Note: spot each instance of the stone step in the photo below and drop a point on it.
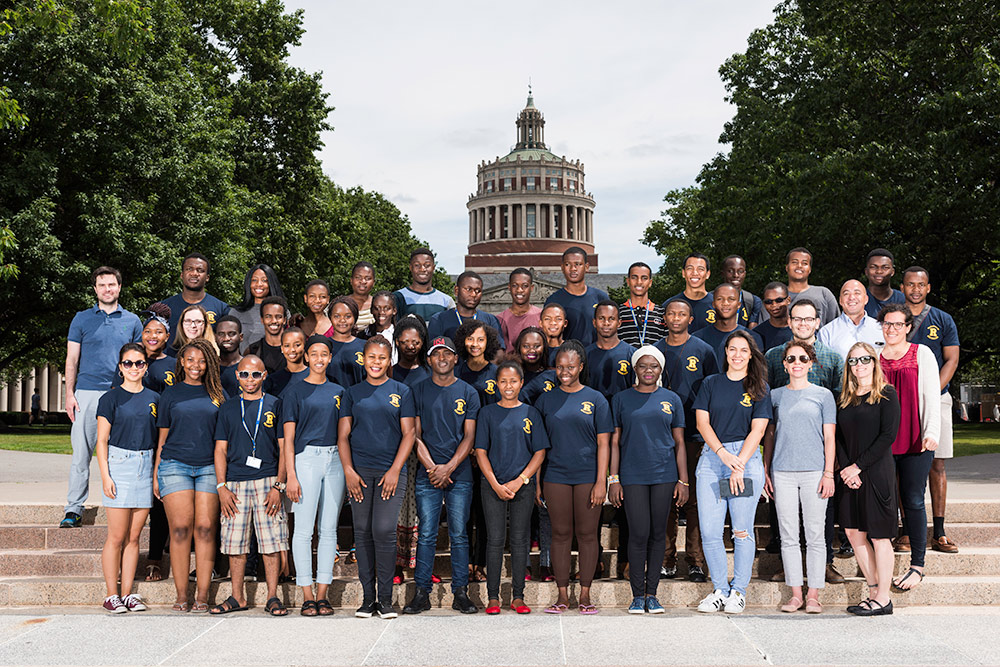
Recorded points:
(346, 594)
(52, 537)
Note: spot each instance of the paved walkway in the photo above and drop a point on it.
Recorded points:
(960, 636)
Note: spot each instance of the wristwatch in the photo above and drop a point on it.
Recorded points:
(280, 486)
(525, 479)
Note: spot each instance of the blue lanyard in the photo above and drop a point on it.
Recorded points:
(475, 316)
(256, 428)
(645, 320)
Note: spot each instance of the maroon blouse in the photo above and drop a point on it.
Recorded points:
(902, 374)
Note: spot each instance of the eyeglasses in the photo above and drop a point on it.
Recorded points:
(803, 320)
(128, 363)
(186, 321)
(768, 302)
(893, 325)
(803, 359)
(244, 375)
(864, 361)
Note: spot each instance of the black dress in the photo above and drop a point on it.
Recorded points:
(864, 436)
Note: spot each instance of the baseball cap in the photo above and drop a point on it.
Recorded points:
(441, 341)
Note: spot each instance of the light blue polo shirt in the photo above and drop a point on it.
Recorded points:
(101, 336)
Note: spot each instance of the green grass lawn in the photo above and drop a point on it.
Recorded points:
(969, 439)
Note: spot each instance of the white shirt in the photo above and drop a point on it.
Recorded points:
(842, 333)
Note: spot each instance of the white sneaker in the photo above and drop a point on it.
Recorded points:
(134, 603)
(713, 602)
(736, 602)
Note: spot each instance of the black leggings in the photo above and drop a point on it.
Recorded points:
(912, 470)
(648, 508)
(375, 535)
(495, 513)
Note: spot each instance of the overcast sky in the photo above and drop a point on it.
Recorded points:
(425, 90)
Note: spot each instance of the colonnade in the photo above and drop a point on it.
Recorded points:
(513, 221)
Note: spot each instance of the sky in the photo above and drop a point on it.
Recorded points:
(425, 91)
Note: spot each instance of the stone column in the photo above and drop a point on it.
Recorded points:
(56, 398)
(42, 378)
(552, 222)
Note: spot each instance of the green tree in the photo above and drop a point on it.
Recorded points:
(859, 125)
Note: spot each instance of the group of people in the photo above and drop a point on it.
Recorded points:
(244, 429)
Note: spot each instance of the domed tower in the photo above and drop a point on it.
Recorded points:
(529, 206)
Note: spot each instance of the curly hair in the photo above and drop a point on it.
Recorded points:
(466, 329)
(211, 379)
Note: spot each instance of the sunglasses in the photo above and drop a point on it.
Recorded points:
(803, 359)
(864, 361)
(244, 375)
(768, 302)
(128, 363)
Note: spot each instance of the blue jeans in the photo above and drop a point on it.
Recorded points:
(321, 477)
(712, 517)
(458, 499)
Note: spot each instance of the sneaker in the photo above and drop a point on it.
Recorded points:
(845, 551)
(638, 605)
(712, 602)
(420, 602)
(134, 603)
(668, 572)
(735, 603)
(696, 574)
(653, 605)
(114, 605)
(385, 610)
(366, 609)
(71, 520)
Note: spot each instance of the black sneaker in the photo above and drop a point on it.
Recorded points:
(696, 574)
(385, 610)
(366, 609)
(71, 520)
(462, 603)
(421, 601)
(845, 551)
(668, 572)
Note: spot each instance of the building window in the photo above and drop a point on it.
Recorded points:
(489, 186)
(506, 184)
(553, 184)
(529, 221)
(572, 186)
(531, 183)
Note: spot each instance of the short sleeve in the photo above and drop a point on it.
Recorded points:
(224, 310)
(950, 333)
(137, 330)
(616, 410)
(678, 409)
(106, 407)
(704, 397)
(472, 404)
(763, 409)
(483, 434)
(407, 406)
(290, 409)
(710, 365)
(338, 402)
(539, 436)
(75, 334)
(602, 419)
(163, 411)
(829, 408)
(222, 425)
(347, 404)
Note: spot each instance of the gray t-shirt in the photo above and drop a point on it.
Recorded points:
(825, 301)
(799, 418)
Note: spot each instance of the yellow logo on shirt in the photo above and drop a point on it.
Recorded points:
(623, 367)
(338, 401)
(211, 317)
(459, 406)
(269, 419)
(587, 408)
(745, 315)
(394, 400)
(692, 364)
(359, 358)
(527, 426)
(548, 385)
(666, 407)
(710, 316)
(169, 379)
(491, 387)
(746, 402)
(933, 332)
(216, 402)
(152, 409)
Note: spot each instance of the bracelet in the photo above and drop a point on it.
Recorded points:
(827, 474)
(681, 481)
(613, 479)
(219, 486)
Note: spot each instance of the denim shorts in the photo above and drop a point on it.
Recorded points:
(132, 472)
(176, 476)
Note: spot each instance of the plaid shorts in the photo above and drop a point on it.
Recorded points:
(272, 531)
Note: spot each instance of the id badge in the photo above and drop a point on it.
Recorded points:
(253, 462)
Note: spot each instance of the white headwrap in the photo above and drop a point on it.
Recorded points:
(649, 351)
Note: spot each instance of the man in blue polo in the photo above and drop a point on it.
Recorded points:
(95, 337)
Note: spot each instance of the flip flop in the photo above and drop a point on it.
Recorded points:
(200, 608)
(588, 609)
(275, 608)
(153, 573)
(181, 607)
(902, 580)
(228, 606)
(555, 609)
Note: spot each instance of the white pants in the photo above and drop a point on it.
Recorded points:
(791, 491)
(946, 443)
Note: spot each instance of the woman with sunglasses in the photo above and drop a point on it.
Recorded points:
(194, 324)
(310, 410)
(126, 434)
(184, 477)
(912, 370)
(799, 449)
(867, 422)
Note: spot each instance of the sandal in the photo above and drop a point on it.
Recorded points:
(275, 608)
(792, 605)
(200, 608)
(555, 608)
(813, 606)
(588, 609)
(902, 580)
(228, 606)
(879, 611)
(478, 574)
(862, 606)
(153, 573)
(182, 607)
(323, 607)
(309, 608)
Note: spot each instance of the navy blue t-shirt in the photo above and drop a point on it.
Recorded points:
(316, 409)
(281, 379)
(937, 331)
(510, 436)
(443, 412)
(699, 310)
(610, 371)
(132, 418)
(241, 444)
(731, 409)
(410, 376)
(445, 323)
(189, 414)
(687, 366)
(579, 312)
(874, 306)
(646, 446)
(572, 422)
(375, 430)
(542, 383)
(230, 383)
(772, 335)
(717, 339)
(484, 381)
(215, 308)
(347, 367)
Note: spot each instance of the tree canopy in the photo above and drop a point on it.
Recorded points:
(859, 125)
(192, 133)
